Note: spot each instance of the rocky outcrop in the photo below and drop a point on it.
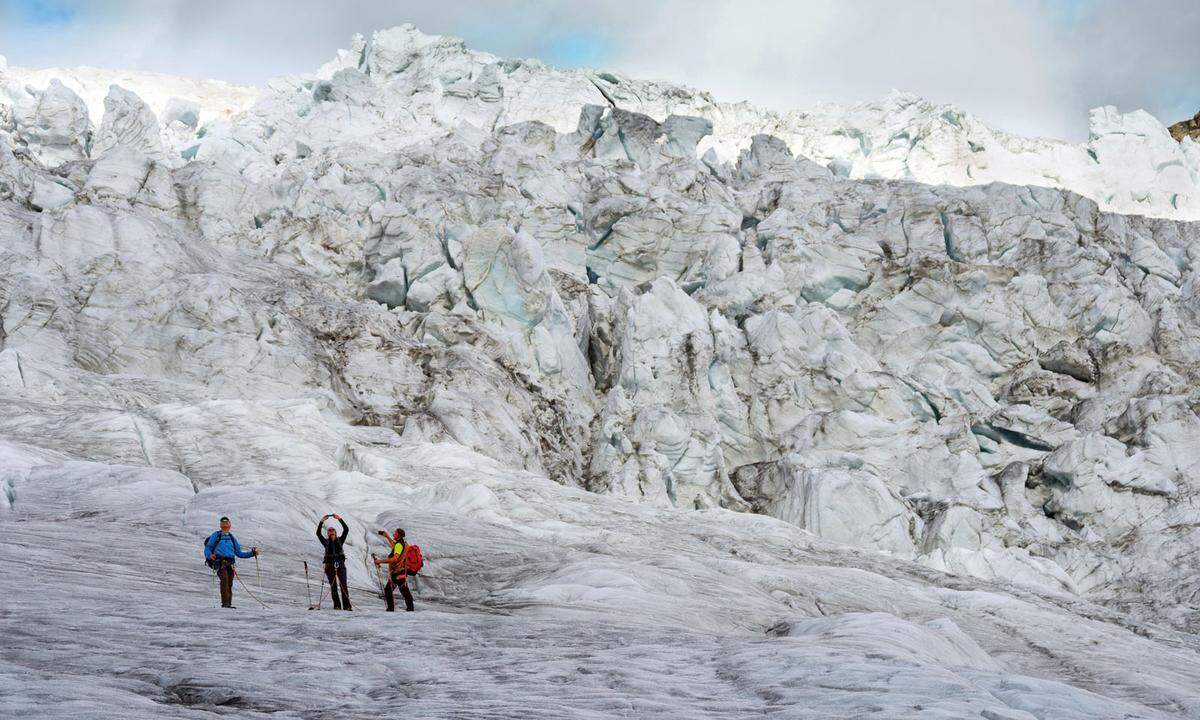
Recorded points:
(1186, 129)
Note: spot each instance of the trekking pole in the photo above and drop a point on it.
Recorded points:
(258, 572)
(307, 586)
(379, 581)
(320, 594)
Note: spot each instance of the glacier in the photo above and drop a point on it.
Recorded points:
(697, 409)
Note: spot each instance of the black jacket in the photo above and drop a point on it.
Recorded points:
(333, 548)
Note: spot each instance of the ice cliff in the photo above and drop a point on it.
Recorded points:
(424, 279)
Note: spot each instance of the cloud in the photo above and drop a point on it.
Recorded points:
(1031, 66)
(1140, 55)
(1027, 66)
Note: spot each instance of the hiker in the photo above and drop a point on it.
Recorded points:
(335, 560)
(221, 551)
(397, 572)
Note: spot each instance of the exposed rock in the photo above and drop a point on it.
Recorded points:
(1186, 129)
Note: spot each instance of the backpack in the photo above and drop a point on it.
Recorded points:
(207, 560)
(412, 560)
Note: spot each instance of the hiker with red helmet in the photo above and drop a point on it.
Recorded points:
(405, 561)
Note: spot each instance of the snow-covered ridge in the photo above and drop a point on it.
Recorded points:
(1130, 164)
(214, 99)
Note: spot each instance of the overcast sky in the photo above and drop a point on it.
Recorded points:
(1030, 66)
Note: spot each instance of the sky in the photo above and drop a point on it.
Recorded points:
(1033, 67)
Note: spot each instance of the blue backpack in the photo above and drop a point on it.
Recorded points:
(207, 560)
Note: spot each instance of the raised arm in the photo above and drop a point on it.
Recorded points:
(345, 528)
(320, 527)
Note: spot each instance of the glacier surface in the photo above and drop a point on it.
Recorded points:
(697, 410)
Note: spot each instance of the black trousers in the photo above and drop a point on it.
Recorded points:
(225, 574)
(399, 580)
(335, 573)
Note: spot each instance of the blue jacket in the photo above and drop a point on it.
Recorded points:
(225, 545)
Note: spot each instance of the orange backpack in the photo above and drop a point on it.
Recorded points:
(412, 560)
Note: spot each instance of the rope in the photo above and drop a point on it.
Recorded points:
(238, 575)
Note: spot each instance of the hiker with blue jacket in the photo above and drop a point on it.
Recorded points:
(221, 551)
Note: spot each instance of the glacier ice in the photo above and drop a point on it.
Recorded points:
(697, 410)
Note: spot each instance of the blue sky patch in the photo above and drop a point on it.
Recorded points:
(576, 49)
(41, 13)
(1068, 13)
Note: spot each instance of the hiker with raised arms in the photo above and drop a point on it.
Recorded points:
(335, 560)
(221, 551)
(403, 562)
